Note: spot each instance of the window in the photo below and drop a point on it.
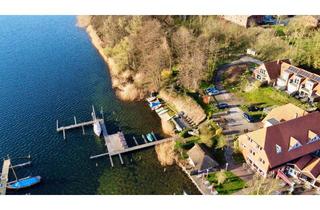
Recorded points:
(295, 146)
(297, 80)
(263, 161)
(278, 149)
(316, 138)
(258, 77)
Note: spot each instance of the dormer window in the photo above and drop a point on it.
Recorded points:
(294, 143)
(278, 149)
(313, 137)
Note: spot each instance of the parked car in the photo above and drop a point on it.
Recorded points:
(254, 108)
(212, 91)
(222, 105)
(248, 117)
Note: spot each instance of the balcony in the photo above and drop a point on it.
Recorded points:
(281, 83)
(306, 91)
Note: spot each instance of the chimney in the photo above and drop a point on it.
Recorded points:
(278, 61)
(296, 115)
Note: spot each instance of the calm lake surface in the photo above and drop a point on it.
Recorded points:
(50, 71)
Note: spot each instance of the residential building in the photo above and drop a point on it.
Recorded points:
(244, 20)
(283, 140)
(199, 160)
(283, 113)
(268, 72)
(306, 169)
(289, 78)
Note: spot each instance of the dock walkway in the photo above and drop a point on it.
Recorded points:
(4, 176)
(77, 125)
(116, 143)
(141, 146)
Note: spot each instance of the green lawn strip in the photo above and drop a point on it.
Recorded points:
(231, 184)
(269, 96)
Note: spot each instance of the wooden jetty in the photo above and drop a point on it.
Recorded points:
(4, 176)
(134, 148)
(63, 129)
(116, 143)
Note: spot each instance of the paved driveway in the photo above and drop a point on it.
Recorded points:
(235, 123)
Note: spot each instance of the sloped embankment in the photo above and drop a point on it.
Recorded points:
(186, 104)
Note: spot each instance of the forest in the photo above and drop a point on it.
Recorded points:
(181, 53)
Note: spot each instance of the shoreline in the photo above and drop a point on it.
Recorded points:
(96, 41)
(124, 91)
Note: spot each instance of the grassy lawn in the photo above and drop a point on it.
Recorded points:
(236, 80)
(231, 185)
(269, 96)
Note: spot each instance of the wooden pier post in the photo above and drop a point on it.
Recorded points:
(120, 159)
(83, 132)
(64, 134)
(144, 138)
(135, 140)
(75, 120)
(111, 160)
(154, 136)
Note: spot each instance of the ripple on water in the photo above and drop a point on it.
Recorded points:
(50, 71)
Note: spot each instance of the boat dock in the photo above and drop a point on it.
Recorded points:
(116, 143)
(78, 125)
(4, 176)
(138, 147)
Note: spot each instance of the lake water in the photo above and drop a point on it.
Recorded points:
(50, 71)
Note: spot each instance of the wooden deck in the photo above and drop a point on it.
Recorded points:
(4, 176)
(78, 125)
(134, 148)
(141, 146)
(115, 143)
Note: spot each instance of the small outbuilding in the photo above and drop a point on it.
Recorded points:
(199, 160)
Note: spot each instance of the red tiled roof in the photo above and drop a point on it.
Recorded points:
(302, 162)
(281, 133)
(313, 167)
(273, 68)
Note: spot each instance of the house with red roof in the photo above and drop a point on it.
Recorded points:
(294, 141)
(289, 78)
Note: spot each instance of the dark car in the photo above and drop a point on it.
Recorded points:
(254, 108)
(212, 91)
(222, 105)
(248, 117)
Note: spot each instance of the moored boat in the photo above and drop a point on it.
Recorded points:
(151, 98)
(149, 137)
(97, 128)
(24, 183)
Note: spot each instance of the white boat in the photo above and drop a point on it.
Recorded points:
(162, 112)
(151, 98)
(97, 128)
